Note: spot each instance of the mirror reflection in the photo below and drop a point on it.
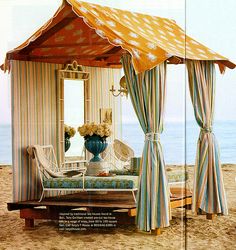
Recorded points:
(74, 106)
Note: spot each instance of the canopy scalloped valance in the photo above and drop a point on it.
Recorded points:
(95, 35)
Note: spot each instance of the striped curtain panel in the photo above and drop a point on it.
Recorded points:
(147, 93)
(34, 121)
(34, 115)
(208, 192)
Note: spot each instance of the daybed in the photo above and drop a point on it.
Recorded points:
(54, 179)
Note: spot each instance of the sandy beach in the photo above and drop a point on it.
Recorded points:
(200, 233)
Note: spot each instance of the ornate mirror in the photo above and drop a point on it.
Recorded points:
(73, 106)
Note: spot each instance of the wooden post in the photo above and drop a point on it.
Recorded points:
(157, 231)
(210, 216)
(132, 212)
(29, 223)
(188, 206)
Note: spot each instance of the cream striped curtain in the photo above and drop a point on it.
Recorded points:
(34, 121)
(208, 192)
(34, 115)
(147, 93)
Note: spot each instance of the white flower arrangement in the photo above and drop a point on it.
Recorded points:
(103, 130)
(69, 131)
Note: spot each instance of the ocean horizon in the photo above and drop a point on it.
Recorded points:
(179, 146)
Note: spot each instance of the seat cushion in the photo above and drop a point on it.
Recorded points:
(172, 176)
(93, 182)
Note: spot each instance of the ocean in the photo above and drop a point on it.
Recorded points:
(173, 141)
(5, 144)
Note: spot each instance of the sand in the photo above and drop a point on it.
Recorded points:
(200, 233)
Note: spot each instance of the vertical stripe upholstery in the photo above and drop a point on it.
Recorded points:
(34, 115)
(101, 80)
(33, 121)
(147, 93)
(208, 191)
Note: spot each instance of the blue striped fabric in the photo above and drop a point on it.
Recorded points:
(208, 192)
(147, 93)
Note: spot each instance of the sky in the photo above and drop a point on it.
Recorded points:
(211, 22)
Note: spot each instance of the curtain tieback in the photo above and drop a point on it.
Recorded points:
(206, 130)
(152, 136)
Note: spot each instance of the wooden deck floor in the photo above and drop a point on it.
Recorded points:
(50, 208)
(113, 200)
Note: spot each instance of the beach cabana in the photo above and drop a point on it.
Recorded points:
(103, 40)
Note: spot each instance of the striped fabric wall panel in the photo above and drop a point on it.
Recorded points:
(34, 115)
(33, 121)
(101, 80)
